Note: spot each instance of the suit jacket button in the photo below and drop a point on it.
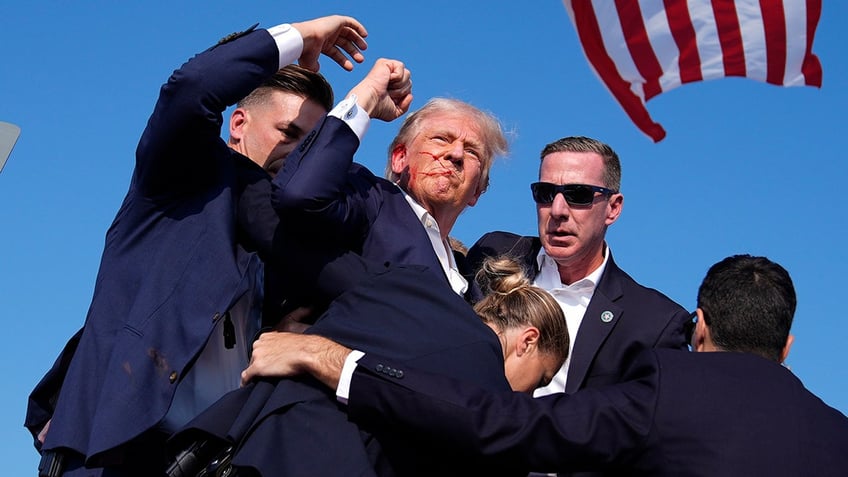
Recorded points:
(399, 373)
(173, 377)
(379, 368)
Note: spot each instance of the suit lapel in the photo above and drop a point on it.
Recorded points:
(600, 318)
(405, 220)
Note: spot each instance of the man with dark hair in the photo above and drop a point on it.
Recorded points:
(177, 297)
(293, 100)
(757, 321)
(729, 409)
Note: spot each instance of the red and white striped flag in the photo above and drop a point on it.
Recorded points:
(641, 48)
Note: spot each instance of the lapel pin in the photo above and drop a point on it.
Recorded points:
(606, 316)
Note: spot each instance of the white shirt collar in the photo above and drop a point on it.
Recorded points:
(441, 247)
(419, 210)
(548, 277)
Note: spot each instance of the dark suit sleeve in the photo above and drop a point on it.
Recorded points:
(315, 175)
(183, 133)
(180, 188)
(489, 245)
(42, 399)
(672, 336)
(523, 249)
(589, 430)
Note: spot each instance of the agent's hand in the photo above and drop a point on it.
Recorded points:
(332, 36)
(280, 354)
(386, 92)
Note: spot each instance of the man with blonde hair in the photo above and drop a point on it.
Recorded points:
(438, 165)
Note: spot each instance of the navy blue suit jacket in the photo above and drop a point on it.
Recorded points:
(346, 207)
(675, 414)
(295, 426)
(641, 317)
(177, 256)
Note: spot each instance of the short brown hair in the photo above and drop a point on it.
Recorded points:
(296, 80)
(612, 165)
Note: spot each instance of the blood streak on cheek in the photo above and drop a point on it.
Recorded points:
(446, 171)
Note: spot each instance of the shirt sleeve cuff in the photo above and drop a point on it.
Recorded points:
(289, 43)
(343, 390)
(354, 116)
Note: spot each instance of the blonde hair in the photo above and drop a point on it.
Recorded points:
(493, 138)
(512, 301)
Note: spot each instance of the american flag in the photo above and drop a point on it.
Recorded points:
(641, 48)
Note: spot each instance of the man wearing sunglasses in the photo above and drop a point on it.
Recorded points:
(610, 316)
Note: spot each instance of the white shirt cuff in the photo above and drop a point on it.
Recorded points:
(343, 390)
(289, 43)
(353, 115)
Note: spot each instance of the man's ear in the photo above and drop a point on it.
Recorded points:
(237, 121)
(528, 339)
(615, 204)
(785, 352)
(399, 159)
(701, 337)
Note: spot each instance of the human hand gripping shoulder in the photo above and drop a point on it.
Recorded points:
(284, 354)
(332, 36)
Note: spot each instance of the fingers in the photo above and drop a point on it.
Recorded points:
(349, 41)
(247, 375)
(385, 93)
(275, 354)
(399, 88)
(404, 104)
(353, 42)
(279, 354)
(261, 358)
(400, 84)
(353, 29)
(341, 38)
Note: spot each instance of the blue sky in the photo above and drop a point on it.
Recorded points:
(746, 167)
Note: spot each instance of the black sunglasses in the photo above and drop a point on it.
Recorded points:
(575, 194)
(689, 327)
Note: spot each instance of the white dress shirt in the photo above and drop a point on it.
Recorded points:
(441, 247)
(573, 299)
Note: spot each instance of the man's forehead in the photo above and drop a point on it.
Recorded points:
(568, 164)
(455, 125)
(291, 109)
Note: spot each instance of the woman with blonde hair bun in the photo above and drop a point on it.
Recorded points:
(528, 321)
